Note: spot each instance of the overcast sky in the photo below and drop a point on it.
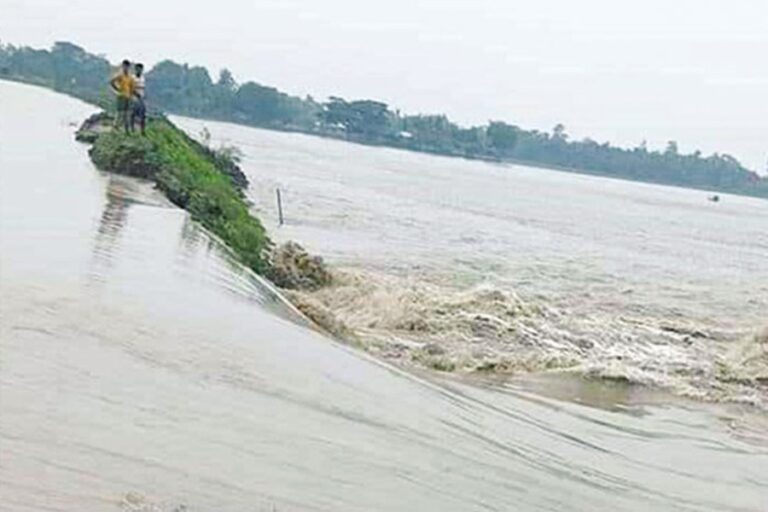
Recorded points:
(691, 70)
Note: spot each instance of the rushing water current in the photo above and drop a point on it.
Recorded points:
(141, 369)
(510, 268)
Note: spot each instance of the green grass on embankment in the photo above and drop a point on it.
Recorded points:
(191, 175)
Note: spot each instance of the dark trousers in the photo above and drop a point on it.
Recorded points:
(139, 113)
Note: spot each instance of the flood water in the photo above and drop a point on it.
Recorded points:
(525, 268)
(142, 369)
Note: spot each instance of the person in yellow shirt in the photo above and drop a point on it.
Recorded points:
(124, 86)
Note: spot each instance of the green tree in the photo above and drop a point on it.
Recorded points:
(226, 81)
(672, 148)
(502, 136)
(363, 117)
(166, 86)
(258, 104)
(182, 89)
(558, 133)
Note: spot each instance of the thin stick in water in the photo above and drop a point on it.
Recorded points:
(279, 207)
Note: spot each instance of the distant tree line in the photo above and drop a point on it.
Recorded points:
(190, 90)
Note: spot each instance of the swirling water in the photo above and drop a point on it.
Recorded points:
(142, 369)
(525, 268)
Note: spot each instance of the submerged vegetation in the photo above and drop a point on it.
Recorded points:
(194, 177)
(190, 90)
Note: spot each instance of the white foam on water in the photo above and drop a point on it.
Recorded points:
(484, 329)
(141, 369)
(464, 265)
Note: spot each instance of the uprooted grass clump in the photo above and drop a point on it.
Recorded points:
(293, 268)
(192, 176)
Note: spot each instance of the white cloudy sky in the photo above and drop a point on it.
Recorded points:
(691, 70)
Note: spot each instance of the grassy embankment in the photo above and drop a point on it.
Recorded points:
(191, 175)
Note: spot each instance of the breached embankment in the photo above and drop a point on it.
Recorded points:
(209, 185)
(482, 331)
(488, 331)
(206, 184)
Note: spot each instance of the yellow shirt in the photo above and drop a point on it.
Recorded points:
(125, 85)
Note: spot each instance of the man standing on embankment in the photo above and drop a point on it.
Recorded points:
(139, 111)
(124, 86)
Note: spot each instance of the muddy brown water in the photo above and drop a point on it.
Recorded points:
(515, 267)
(142, 369)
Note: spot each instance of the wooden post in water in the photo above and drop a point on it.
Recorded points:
(279, 206)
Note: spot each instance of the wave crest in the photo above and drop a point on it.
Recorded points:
(487, 329)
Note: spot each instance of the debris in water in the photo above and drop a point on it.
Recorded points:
(293, 268)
